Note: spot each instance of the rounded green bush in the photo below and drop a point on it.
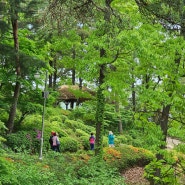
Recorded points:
(68, 144)
(23, 141)
(85, 142)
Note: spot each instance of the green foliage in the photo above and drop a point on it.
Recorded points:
(6, 171)
(176, 130)
(23, 141)
(84, 140)
(68, 144)
(131, 156)
(98, 172)
(86, 113)
(17, 172)
(123, 139)
(166, 175)
(78, 125)
(163, 171)
(146, 135)
(180, 148)
(80, 132)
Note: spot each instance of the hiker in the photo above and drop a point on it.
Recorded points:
(56, 142)
(111, 139)
(92, 141)
(51, 140)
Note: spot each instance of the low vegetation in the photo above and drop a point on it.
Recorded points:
(76, 164)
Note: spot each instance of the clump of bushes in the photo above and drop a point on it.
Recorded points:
(6, 168)
(126, 156)
(170, 169)
(68, 144)
(180, 148)
(85, 142)
(22, 141)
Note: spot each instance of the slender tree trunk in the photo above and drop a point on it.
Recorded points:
(80, 88)
(12, 113)
(100, 96)
(55, 75)
(50, 76)
(100, 112)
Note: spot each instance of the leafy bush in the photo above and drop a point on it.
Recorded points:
(123, 139)
(164, 171)
(180, 148)
(23, 141)
(86, 113)
(176, 130)
(166, 175)
(131, 156)
(68, 144)
(6, 169)
(80, 132)
(85, 142)
(78, 125)
(98, 172)
(23, 169)
(32, 122)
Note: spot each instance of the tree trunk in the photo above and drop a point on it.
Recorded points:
(55, 75)
(50, 76)
(12, 113)
(100, 113)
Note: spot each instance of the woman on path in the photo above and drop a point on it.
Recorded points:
(56, 143)
(92, 141)
(111, 139)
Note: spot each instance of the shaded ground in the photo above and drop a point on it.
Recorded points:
(134, 176)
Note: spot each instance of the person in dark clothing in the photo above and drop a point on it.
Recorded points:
(51, 140)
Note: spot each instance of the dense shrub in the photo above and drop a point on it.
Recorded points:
(6, 169)
(85, 142)
(98, 172)
(166, 171)
(83, 170)
(32, 122)
(86, 113)
(123, 139)
(23, 141)
(128, 156)
(23, 169)
(170, 169)
(180, 148)
(68, 144)
(79, 125)
(80, 132)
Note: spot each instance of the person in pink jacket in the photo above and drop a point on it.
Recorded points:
(56, 142)
(92, 141)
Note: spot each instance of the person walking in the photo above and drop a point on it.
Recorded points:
(111, 139)
(51, 140)
(92, 141)
(56, 142)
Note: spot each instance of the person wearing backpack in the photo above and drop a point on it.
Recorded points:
(92, 141)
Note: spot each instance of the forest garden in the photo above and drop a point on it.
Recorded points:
(129, 57)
